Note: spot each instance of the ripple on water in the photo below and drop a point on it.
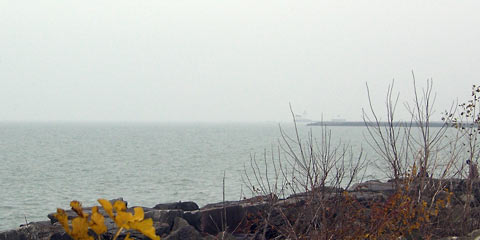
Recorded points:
(44, 166)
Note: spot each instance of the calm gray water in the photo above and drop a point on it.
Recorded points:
(46, 165)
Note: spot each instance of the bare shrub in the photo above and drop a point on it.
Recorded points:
(316, 171)
(466, 120)
(418, 157)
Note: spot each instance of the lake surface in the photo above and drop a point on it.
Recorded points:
(46, 165)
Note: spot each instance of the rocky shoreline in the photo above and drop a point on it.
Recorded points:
(232, 219)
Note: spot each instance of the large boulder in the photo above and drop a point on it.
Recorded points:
(325, 191)
(161, 229)
(291, 201)
(13, 235)
(193, 218)
(164, 216)
(179, 223)
(37, 230)
(213, 219)
(362, 196)
(61, 236)
(374, 186)
(182, 230)
(185, 206)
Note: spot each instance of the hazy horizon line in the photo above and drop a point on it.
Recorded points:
(199, 121)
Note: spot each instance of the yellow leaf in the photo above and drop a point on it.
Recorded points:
(139, 214)
(77, 207)
(107, 206)
(146, 228)
(62, 218)
(123, 218)
(119, 206)
(97, 222)
(80, 229)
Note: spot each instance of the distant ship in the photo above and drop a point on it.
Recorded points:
(302, 118)
(343, 122)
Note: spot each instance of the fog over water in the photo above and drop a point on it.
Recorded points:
(220, 61)
(153, 100)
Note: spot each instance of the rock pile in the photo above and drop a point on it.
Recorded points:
(178, 220)
(185, 220)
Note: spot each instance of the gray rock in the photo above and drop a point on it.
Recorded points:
(179, 223)
(313, 196)
(185, 206)
(61, 236)
(374, 186)
(328, 191)
(296, 201)
(243, 236)
(133, 234)
(185, 232)
(164, 216)
(209, 237)
(254, 208)
(220, 204)
(111, 226)
(131, 209)
(161, 229)
(226, 236)
(211, 219)
(32, 231)
(193, 218)
(13, 235)
(362, 196)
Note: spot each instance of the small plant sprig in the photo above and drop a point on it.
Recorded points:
(96, 222)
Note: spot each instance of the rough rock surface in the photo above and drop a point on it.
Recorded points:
(185, 220)
(213, 220)
(374, 186)
(164, 216)
(185, 206)
(37, 231)
(182, 230)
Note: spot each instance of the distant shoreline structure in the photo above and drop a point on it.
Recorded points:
(363, 124)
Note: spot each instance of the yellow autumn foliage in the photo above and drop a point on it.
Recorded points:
(96, 222)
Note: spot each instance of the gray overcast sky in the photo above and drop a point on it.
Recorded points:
(192, 60)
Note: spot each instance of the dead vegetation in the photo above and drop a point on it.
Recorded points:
(431, 194)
